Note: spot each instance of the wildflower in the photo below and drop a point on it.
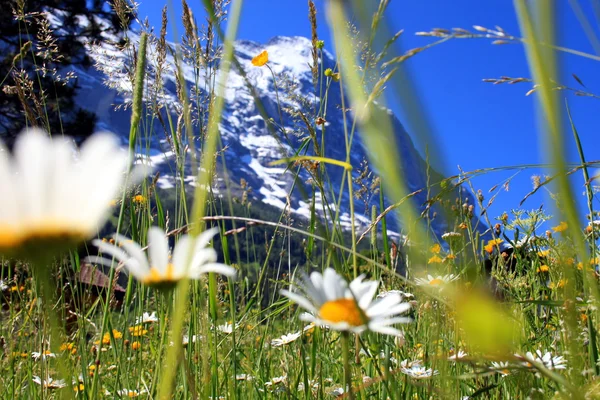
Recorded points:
(501, 367)
(415, 370)
(560, 227)
(285, 339)
(43, 355)
(462, 226)
(403, 295)
(106, 338)
(261, 59)
(457, 356)
(136, 345)
(227, 328)
(277, 380)
(146, 318)
(130, 393)
(436, 248)
(449, 236)
(491, 245)
(53, 196)
(139, 199)
(334, 303)
(543, 253)
(550, 362)
(438, 282)
(158, 269)
(49, 383)
(434, 260)
(186, 339)
(137, 330)
(543, 268)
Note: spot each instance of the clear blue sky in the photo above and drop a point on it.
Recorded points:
(476, 125)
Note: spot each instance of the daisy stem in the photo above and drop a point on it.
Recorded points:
(44, 284)
(347, 370)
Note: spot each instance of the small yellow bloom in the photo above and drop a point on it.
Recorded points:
(436, 248)
(491, 244)
(136, 345)
(462, 226)
(434, 260)
(450, 256)
(543, 268)
(560, 227)
(139, 199)
(138, 330)
(583, 317)
(79, 388)
(261, 59)
(543, 253)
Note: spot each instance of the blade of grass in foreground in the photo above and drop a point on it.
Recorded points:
(375, 126)
(200, 197)
(542, 63)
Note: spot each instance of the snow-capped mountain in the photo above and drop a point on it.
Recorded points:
(250, 145)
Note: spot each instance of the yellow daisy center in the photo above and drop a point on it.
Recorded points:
(436, 282)
(155, 277)
(341, 310)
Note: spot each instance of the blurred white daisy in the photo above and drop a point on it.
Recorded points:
(244, 377)
(285, 339)
(503, 368)
(36, 355)
(227, 328)
(130, 393)
(49, 383)
(549, 361)
(146, 318)
(334, 303)
(54, 196)
(158, 268)
(457, 356)
(416, 370)
(436, 282)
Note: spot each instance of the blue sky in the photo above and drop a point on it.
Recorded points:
(475, 124)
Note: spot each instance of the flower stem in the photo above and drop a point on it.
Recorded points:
(347, 370)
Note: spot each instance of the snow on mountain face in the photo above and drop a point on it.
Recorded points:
(250, 145)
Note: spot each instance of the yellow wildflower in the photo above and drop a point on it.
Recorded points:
(543, 268)
(261, 59)
(560, 227)
(436, 248)
(138, 330)
(434, 260)
(491, 244)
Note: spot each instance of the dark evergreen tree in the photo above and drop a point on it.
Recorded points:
(39, 40)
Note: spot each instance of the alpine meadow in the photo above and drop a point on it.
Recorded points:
(189, 213)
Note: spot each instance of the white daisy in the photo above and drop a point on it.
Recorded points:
(130, 393)
(36, 355)
(436, 282)
(159, 269)
(53, 194)
(415, 370)
(186, 340)
(403, 295)
(146, 318)
(49, 383)
(503, 368)
(334, 303)
(244, 377)
(457, 356)
(227, 328)
(550, 362)
(285, 339)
